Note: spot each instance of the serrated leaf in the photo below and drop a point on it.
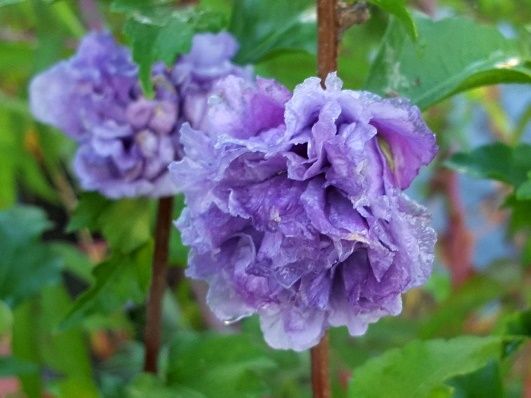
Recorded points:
(265, 27)
(20, 229)
(118, 280)
(421, 367)
(495, 161)
(450, 56)
(399, 10)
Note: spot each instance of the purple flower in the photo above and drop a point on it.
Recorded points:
(295, 210)
(125, 140)
(195, 73)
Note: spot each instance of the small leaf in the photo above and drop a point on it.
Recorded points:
(265, 27)
(451, 55)
(88, 210)
(399, 10)
(421, 367)
(524, 191)
(154, 41)
(495, 161)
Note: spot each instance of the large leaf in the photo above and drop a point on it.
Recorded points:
(495, 161)
(451, 55)
(26, 264)
(422, 367)
(265, 27)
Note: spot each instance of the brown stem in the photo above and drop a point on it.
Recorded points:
(91, 14)
(327, 37)
(327, 48)
(152, 331)
(320, 382)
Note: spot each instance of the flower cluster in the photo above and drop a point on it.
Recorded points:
(126, 141)
(295, 206)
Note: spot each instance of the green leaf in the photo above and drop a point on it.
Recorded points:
(147, 385)
(178, 251)
(219, 366)
(154, 41)
(495, 161)
(20, 229)
(125, 223)
(87, 212)
(524, 190)
(139, 6)
(265, 27)
(451, 55)
(448, 319)
(160, 33)
(11, 366)
(118, 280)
(399, 10)
(65, 354)
(421, 367)
(484, 382)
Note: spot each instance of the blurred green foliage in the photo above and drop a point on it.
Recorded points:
(75, 267)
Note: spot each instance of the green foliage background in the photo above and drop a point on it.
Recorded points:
(75, 267)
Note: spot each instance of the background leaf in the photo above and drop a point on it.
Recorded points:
(24, 272)
(495, 161)
(421, 367)
(451, 55)
(399, 10)
(265, 27)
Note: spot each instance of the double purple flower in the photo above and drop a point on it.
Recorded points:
(126, 141)
(295, 209)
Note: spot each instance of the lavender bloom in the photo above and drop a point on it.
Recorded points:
(195, 73)
(125, 140)
(295, 208)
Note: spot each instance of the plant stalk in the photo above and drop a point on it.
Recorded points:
(152, 333)
(327, 48)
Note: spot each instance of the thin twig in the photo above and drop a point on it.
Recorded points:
(153, 327)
